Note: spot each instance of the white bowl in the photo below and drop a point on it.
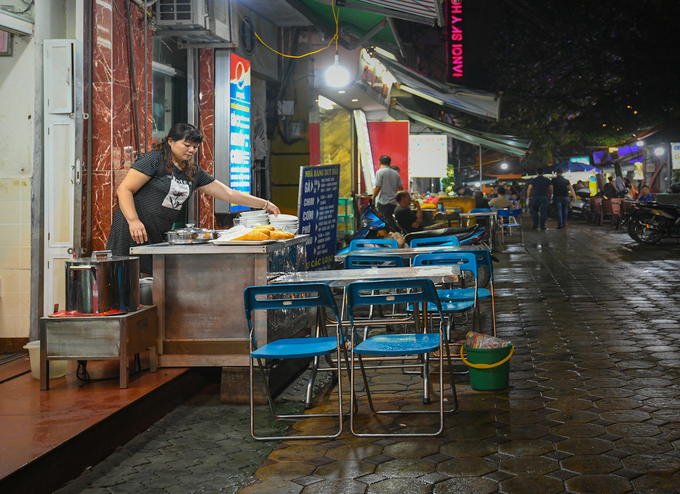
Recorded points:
(283, 217)
(255, 212)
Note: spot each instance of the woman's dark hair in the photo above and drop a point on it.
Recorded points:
(179, 132)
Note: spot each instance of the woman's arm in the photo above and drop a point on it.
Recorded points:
(220, 191)
(132, 182)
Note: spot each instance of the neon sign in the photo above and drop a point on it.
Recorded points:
(456, 11)
(239, 126)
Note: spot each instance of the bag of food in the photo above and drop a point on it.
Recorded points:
(479, 340)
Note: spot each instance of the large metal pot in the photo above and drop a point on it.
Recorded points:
(102, 283)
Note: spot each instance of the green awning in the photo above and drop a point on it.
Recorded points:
(504, 143)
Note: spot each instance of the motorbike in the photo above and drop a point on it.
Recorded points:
(649, 222)
(372, 225)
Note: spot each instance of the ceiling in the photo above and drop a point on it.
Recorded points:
(364, 101)
(278, 12)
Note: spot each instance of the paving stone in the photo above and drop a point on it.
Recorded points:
(434, 478)
(532, 483)
(405, 468)
(467, 485)
(584, 446)
(656, 484)
(346, 486)
(345, 469)
(498, 476)
(468, 447)
(643, 445)
(526, 448)
(598, 483)
(529, 465)
(411, 449)
(379, 459)
(467, 467)
(591, 464)
(653, 464)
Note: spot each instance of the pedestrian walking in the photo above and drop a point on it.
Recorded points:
(539, 193)
(561, 189)
(387, 184)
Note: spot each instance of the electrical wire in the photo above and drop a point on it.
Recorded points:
(336, 16)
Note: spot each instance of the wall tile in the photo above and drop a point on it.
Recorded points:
(10, 212)
(25, 215)
(11, 326)
(11, 280)
(101, 126)
(10, 257)
(102, 50)
(11, 236)
(25, 235)
(10, 189)
(24, 280)
(102, 208)
(10, 303)
(25, 258)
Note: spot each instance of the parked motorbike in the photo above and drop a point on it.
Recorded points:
(649, 222)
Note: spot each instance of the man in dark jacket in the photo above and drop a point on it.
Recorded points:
(539, 192)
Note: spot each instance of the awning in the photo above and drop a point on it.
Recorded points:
(507, 144)
(472, 101)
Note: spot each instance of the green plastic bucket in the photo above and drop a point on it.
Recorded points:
(489, 367)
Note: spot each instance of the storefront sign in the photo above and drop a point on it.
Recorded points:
(427, 156)
(318, 213)
(456, 38)
(675, 155)
(239, 126)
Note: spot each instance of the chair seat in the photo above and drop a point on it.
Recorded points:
(463, 294)
(448, 306)
(398, 344)
(297, 348)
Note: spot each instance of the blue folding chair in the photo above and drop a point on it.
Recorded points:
(455, 301)
(480, 210)
(430, 241)
(422, 343)
(373, 243)
(293, 296)
(514, 220)
(484, 270)
(361, 261)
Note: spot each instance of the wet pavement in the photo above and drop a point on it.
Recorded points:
(593, 404)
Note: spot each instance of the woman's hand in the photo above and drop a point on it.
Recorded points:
(138, 232)
(273, 209)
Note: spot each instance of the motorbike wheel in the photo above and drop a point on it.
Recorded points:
(639, 230)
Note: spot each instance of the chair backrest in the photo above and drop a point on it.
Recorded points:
(412, 291)
(467, 261)
(445, 239)
(373, 243)
(607, 206)
(290, 296)
(358, 261)
(509, 213)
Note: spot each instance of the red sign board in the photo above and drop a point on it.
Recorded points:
(455, 38)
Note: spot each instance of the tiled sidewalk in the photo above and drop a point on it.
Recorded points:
(593, 404)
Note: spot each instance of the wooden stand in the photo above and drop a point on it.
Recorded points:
(99, 338)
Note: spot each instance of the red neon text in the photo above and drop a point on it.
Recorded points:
(456, 35)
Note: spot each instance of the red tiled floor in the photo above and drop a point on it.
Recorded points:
(34, 422)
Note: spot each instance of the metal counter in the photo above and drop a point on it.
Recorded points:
(198, 290)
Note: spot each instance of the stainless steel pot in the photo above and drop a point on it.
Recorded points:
(190, 235)
(102, 283)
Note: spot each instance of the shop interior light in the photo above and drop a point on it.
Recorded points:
(342, 91)
(325, 103)
(336, 74)
(659, 151)
(613, 150)
(504, 166)
(640, 143)
(354, 100)
(478, 184)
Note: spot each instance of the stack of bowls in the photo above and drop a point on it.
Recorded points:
(285, 222)
(250, 219)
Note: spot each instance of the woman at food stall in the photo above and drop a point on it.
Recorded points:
(157, 184)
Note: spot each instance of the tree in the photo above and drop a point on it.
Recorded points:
(578, 74)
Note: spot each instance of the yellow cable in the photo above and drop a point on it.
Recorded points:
(336, 16)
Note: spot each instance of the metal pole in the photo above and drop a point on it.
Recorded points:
(480, 166)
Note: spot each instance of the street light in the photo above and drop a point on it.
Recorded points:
(504, 166)
(659, 151)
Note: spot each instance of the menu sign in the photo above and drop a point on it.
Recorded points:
(675, 155)
(318, 213)
(239, 126)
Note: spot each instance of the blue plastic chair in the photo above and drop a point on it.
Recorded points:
(455, 301)
(419, 292)
(373, 243)
(430, 241)
(514, 217)
(360, 261)
(484, 269)
(294, 296)
(480, 210)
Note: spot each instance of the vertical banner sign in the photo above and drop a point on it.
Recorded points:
(318, 213)
(455, 39)
(675, 155)
(239, 126)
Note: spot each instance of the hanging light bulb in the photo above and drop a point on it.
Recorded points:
(504, 166)
(336, 74)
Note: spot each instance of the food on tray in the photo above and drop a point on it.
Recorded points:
(253, 235)
(268, 228)
(280, 235)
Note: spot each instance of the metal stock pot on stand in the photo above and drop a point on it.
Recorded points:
(102, 283)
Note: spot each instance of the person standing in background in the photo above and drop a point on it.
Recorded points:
(539, 192)
(561, 189)
(387, 184)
